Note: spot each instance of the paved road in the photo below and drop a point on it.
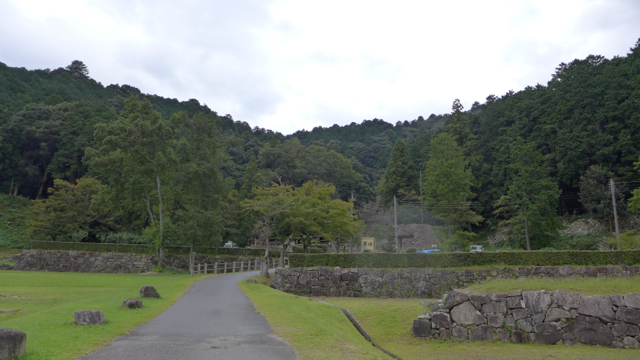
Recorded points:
(212, 320)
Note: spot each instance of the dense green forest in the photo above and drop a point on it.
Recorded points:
(135, 167)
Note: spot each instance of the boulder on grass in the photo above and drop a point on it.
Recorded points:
(88, 317)
(13, 343)
(251, 281)
(149, 292)
(132, 304)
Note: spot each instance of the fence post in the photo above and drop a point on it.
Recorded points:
(234, 266)
(198, 269)
(242, 266)
(215, 267)
(225, 267)
(205, 268)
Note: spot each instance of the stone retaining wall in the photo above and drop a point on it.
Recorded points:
(420, 283)
(80, 261)
(541, 317)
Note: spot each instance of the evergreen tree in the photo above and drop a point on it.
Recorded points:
(77, 67)
(595, 193)
(447, 183)
(251, 178)
(531, 204)
(400, 174)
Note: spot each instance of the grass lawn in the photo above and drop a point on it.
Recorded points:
(316, 331)
(45, 302)
(585, 286)
(388, 321)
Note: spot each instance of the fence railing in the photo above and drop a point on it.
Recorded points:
(235, 266)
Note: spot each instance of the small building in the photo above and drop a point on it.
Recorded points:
(368, 243)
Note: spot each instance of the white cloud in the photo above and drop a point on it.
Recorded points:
(287, 65)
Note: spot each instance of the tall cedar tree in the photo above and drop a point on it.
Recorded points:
(595, 193)
(530, 206)
(400, 174)
(447, 182)
(198, 181)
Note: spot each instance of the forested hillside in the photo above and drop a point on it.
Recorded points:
(519, 161)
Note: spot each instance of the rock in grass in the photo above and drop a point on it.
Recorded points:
(132, 304)
(13, 343)
(149, 292)
(89, 317)
(251, 281)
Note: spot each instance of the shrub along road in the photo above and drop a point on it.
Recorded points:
(212, 320)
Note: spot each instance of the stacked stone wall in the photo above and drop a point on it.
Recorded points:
(80, 261)
(541, 317)
(419, 283)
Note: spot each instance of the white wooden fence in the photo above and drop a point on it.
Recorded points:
(231, 267)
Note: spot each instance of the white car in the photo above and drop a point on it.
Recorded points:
(230, 245)
(476, 248)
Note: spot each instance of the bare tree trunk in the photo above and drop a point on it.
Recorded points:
(526, 233)
(153, 222)
(264, 271)
(281, 262)
(11, 186)
(42, 182)
(15, 190)
(73, 178)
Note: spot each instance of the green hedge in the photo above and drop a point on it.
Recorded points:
(312, 250)
(460, 259)
(146, 249)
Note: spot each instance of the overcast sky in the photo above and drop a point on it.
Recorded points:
(291, 65)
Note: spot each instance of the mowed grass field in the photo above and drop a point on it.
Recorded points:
(389, 321)
(44, 303)
(317, 331)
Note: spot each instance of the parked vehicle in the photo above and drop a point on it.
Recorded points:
(428, 251)
(476, 248)
(230, 245)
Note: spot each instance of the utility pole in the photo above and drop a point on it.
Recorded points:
(526, 233)
(421, 205)
(353, 203)
(395, 220)
(612, 186)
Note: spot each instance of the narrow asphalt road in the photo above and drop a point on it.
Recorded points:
(212, 320)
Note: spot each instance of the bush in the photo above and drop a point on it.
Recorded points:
(465, 259)
(578, 242)
(314, 249)
(323, 247)
(411, 250)
(625, 241)
(120, 238)
(460, 241)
